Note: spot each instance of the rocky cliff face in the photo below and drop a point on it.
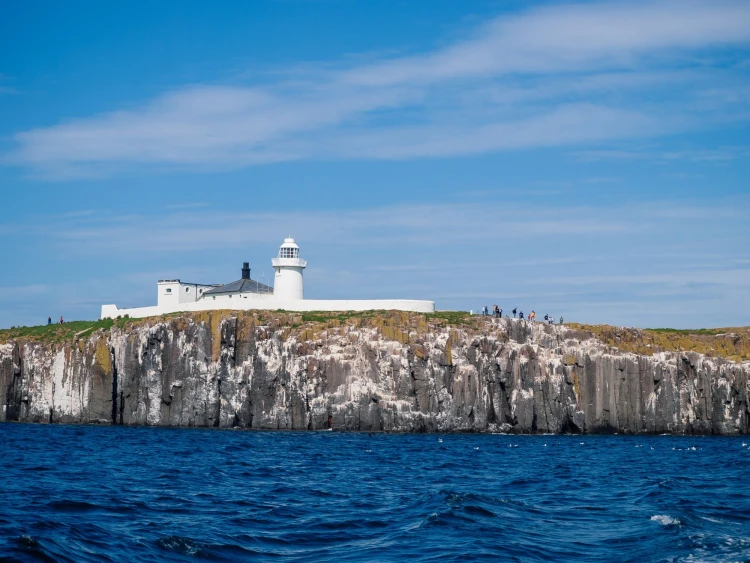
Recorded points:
(394, 372)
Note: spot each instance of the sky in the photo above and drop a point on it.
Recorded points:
(589, 160)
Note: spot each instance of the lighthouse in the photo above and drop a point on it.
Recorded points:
(287, 283)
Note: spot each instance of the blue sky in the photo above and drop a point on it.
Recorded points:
(589, 160)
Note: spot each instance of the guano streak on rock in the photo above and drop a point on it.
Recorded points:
(392, 372)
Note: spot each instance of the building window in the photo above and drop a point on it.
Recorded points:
(214, 298)
(200, 291)
(187, 290)
(169, 290)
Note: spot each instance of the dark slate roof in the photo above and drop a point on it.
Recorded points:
(240, 286)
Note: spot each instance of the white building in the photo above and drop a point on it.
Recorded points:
(287, 293)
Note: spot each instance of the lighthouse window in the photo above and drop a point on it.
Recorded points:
(169, 290)
(187, 290)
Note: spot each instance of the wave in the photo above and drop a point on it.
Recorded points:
(300, 497)
(665, 520)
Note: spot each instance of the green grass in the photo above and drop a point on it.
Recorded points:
(451, 317)
(55, 332)
(323, 316)
(731, 343)
(704, 331)
(448, 317)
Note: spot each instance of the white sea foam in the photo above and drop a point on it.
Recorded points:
(714, 520)
(665, 520)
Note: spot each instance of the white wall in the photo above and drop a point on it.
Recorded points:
(190, 292)
(168, 293)
(245, 302)
(174, 292)
(112, 312)
(288, 283)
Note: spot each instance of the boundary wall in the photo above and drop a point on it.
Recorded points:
(268, 302)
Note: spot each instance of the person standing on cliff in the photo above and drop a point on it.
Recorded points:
(61, 319)
(561, 320)
(514, 312)
(49, 320)
(520, 315)
(486, 311)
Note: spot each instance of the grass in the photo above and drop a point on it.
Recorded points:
(450, 317)
(730, 343)
(55, 332)
(341, 316)
(701, 331)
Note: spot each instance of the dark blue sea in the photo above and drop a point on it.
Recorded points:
(90, 493)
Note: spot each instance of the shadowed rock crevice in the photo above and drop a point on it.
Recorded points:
(393, 373)
(115, 397)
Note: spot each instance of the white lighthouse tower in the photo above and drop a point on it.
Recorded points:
(287, 283)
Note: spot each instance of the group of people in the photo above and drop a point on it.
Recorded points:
(498, 312)
(49, 320)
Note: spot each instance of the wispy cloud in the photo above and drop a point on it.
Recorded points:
(646, 261)
(572, 38)
(430, 226)
(572, 74)
(720, 155)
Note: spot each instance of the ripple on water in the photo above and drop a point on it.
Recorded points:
(72, 506)
(93, 493)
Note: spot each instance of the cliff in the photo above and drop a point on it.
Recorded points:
(396, 372)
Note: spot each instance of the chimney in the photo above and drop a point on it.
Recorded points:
(245, 271)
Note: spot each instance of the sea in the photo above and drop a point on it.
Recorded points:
(114, 493)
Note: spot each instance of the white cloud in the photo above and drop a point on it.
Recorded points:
(431, 226)
(719, 155)
(624, 263)
(572, 37)
(554, 75)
